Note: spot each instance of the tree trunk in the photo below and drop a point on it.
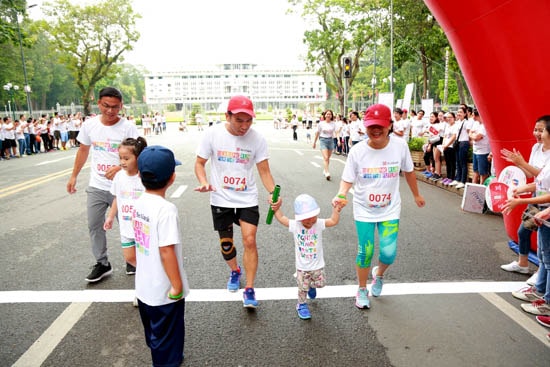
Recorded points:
(424, 61)
(460, 88)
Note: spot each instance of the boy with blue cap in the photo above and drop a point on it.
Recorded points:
(161, 282)
(307, 232)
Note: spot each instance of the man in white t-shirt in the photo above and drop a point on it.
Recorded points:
(356, 128)
(481, 149)
(401, 127)
(102, 136)
(235, 149)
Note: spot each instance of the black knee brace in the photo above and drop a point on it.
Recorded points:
(227, 247)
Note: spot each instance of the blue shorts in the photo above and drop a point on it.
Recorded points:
(326, 143)
(481, 164)
(164, 328)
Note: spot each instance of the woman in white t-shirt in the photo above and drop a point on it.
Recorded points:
(372, 168)
(325, 133)
(540, 155)
(538, 295)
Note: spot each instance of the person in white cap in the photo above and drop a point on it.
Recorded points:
(235, 149)
(373, 168)
(307, 231)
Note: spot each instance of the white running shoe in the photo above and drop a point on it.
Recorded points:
(514, 267)
(454, 183)
(533, 279)
(528, 294)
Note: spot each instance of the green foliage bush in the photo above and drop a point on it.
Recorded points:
(415, 144)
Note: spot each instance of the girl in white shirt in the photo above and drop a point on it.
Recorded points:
(325, 133)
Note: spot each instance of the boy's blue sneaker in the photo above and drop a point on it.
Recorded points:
(303, 311)
(362, 298)
(249, 298)
(312, 293)
(377, 282)
(233, 284)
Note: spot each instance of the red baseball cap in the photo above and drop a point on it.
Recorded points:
(241, 104)
(377, 114)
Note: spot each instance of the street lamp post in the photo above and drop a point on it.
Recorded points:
(10, 88)
(373, 85)
(27, 87)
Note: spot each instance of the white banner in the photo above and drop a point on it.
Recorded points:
(407, 98)
(428, 107)
(386, 99)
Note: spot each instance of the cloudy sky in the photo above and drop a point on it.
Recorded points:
(190, 32)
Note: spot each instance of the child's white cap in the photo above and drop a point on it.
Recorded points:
(305, 207)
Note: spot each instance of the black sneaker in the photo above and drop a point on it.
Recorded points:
(98, 272)
(130, 269)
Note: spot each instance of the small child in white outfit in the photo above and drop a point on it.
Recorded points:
(307, 231)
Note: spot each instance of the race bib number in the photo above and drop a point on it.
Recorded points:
(102, 168)
(378, 199)
(234, 183)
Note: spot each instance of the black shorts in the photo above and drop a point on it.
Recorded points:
(224, 217)
(9, 143)
(57, 134)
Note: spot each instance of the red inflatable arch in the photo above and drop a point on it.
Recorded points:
(501, 48)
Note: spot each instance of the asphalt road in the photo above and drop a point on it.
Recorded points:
(445, 301)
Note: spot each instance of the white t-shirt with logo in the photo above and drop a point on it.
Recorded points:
(127, 190)
(354, 128)
(404, 126)
(481, 146)
(308, 244)
(375, 174)
(232, 161)
(326, 129)
(538, 157)
(104, 142)
(542, 183)
(156, 225)
(9, 131)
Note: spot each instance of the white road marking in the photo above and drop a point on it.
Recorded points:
(55, 160)
(316, 165)
(43, 346)
(266, 294)
(179, 191)
(298, 152)
(521, 318)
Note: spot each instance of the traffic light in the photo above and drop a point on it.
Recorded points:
(347, 67)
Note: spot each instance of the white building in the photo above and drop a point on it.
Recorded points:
(212, 86)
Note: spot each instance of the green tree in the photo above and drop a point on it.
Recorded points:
(91, 39)
(9, 11)
(417, 37)
(130, 80)
(339, 28)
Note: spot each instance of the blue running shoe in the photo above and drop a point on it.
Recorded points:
(233, 284)
(312, 293)
(362, 298)
(377, 282)
(303, 311)
(249, 298)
